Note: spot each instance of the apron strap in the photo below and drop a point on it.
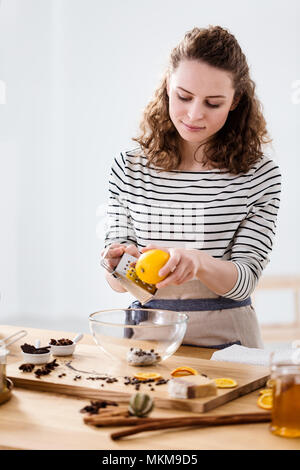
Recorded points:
(193, 305)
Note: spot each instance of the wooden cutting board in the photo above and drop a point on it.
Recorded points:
(90, 362)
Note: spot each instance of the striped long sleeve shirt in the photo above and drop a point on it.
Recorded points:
(231, 217)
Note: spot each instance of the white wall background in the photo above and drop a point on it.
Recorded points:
(78, 74)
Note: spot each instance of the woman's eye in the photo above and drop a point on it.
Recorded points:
(183, 98)
(213, 105)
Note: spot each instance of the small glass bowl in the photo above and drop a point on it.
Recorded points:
(138, 337)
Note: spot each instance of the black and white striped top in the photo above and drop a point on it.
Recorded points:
(231, 217)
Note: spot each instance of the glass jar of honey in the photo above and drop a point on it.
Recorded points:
(285, 382)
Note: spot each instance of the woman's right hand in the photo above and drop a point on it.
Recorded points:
(115, 251)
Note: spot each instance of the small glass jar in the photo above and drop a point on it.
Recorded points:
(285, 382)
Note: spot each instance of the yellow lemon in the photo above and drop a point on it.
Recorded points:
(132, 276)
(149, 264)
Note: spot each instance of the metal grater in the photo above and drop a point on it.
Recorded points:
(125, 273)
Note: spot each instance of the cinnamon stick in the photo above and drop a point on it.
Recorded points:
(100, 421)
(120, 412)
(167, 423)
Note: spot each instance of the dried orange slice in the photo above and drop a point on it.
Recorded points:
(147, 375)
(265, 390)
(265, 401)
(182, 371)
(225, 382)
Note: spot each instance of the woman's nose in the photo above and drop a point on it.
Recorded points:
(195, 112)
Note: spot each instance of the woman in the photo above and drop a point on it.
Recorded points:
(200, 187)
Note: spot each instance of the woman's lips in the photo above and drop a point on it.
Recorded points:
(191, 128)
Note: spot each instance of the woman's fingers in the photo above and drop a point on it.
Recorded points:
(171, 265)
(186, 277)
(118, 251)
(113, 262)
(172, 277)
(109, 249)
(112, 254)
(132, 250)
(177, 277)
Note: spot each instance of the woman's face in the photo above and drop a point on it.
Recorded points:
(200, 98)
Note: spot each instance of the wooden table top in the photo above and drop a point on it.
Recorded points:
(33, 420)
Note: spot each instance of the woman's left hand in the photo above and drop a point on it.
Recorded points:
(182, 266)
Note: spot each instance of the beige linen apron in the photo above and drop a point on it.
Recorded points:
(212, 328)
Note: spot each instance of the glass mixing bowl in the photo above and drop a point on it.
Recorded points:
(138, 337)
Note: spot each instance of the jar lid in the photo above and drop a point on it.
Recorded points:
(285, 358)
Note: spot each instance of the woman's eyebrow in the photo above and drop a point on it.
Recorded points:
(212, 96)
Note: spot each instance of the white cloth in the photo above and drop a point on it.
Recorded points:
(255, 356)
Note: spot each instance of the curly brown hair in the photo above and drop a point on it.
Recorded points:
(238, 144)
